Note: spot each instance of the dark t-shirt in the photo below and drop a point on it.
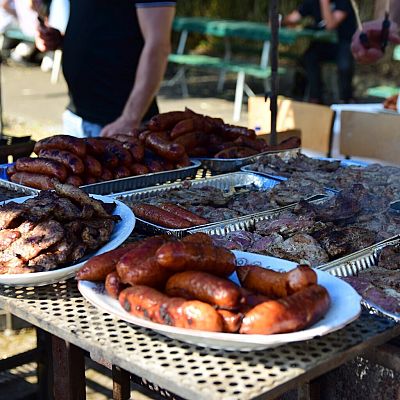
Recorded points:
(102, 46)
(345, 30)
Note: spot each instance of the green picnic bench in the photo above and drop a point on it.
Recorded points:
(228, 29)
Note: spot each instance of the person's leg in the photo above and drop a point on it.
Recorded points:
(345, 63)
(311, 61)
(90, 129)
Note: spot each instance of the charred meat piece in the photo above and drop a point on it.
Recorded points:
(213, 214)
(7, 236)
(389, 257)
(30, 244)
(301, 248)
(341, 241)
(9, 213)
(97, 232)
(262, 244)
(251, 202)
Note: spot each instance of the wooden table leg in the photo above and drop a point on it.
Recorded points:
(121, 383)
(309, 390)
(68, 371)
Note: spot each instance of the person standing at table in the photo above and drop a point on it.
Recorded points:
(336, 15)
(114, 57)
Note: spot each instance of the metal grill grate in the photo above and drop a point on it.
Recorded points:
(190, 371)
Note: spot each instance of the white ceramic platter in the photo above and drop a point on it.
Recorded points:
(345, 308)
(122, 230)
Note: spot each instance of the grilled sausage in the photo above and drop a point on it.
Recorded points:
(122, 154)
(197, 285)
(291, 143)
(98, 267)
(159, 216)
(276, 284)
(198, 124)
(159, 143)
(74, 180)
(181, 256)
(154, 166)
(122, 172)
(191, 140)
(292, 313)
(236, 152)
(136, 149)
(11, 170)
(197, 152)
(106, 174)
(168, 120)
(230, 320)
(37, 181)
(62, 142)
(98, 147)
(148, 303)
(232, 132)
(183, 213)
(256, 144)
(139, 267)
(42, 166)
(139, 169)
(183, 162)
(113, 285)
(92, 166)
(198, 237)
(68, 159)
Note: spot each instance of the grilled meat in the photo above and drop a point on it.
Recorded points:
(389, 258)
(9, 213)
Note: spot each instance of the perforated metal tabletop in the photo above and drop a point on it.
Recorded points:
(186, 370)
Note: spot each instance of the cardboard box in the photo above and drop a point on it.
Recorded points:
(313, 120)
(372, 135)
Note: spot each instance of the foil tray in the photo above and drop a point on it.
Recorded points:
(343, 163)
(362, 260)
(14, 189)
(129, 183)
(223, 182)
(223, 165)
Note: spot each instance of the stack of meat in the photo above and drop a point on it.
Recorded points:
(184, 284)
(188, 206)
(85, 161)
(52, 229)
(317, 233)
(380, 285)
(203, 136)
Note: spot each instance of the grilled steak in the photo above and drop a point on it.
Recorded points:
(389, 257)
(9, 213)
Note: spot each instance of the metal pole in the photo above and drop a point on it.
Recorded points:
(1, 101)
(274, 22)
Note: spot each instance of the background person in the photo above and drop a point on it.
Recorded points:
(114, 58)
(335, 15)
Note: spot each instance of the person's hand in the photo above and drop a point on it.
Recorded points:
(48, 39)
(121, 125)
(374, 52)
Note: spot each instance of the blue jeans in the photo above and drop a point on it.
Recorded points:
(76, 126)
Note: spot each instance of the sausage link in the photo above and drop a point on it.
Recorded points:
(113, 285)
(197, 285)
(148, 303)
(68, 159)
(42, 166)
(199, 124)
(62, 142)
(139, 169)
(230, 321)
(232, 132)
(191, 140)
(106, 174)
(236, 152)
(181, 256)
(162, 146)
(11, 170)
(290, 143)
(289, 314)
(37, 181)
(120, 152)
(276, 284)
(256, 144)
(98, 267)
(154, 166)
(198, 237)
(138, 266)
(74, 180)
(183, 162)
(92, 166)
(167, 121)
(122, 172)
(183, 213)
(160, 217)
(136, 149)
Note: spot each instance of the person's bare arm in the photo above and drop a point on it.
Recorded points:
(155, 24)
(292, 19)
(332, 18)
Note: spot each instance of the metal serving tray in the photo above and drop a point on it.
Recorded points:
(223, 182)
(343, 163)
(362, 260)
(129, 183)
(222, 165)
(14, 188)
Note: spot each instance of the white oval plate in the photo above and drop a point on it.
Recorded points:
(122, 230)
(344, 309)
